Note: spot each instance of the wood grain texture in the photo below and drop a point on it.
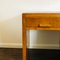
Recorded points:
(24, 38)
(38, 21)
(47, 20)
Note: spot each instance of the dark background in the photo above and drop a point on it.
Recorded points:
(32, 54)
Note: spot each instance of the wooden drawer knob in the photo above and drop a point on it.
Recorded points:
(44, 25)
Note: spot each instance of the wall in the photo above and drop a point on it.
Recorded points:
(11, 18)
(43, 39)
(10, 33)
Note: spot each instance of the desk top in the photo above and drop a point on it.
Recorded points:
(41, 21)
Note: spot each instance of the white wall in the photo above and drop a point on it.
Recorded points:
(43, 39)
(11, 18)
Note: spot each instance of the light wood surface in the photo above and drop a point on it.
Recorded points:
(38, 21)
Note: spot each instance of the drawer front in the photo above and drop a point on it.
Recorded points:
(43, 23)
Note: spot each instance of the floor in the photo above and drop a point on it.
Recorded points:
(43, 54)
(10, 54)
(32, 54)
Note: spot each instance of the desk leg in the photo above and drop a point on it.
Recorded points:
(24, 45)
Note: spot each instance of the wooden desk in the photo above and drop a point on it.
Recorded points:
(38, 21)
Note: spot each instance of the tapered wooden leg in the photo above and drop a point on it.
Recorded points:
(24, 44)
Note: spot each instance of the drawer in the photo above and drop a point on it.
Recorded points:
(43, 23)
